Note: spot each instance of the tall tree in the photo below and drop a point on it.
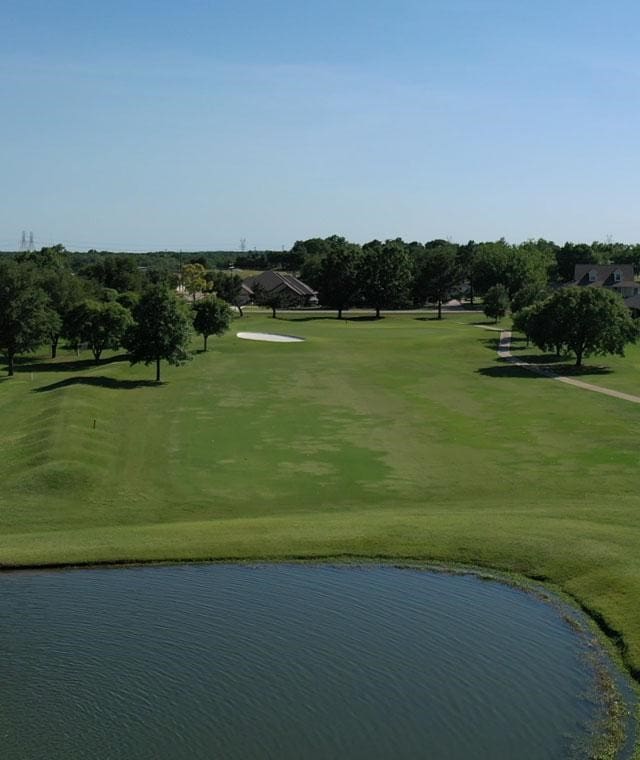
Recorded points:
(100, 325)
(65, 292)
(385, 274)
(466, 261)
(437, 274)
(194, 279)
(226, 285)
(583, 321)
(211, 316)
(25, 315)
(512, 266)
(161, 329)
(339, 275)
(571, 254)
(119, 273)
(496, 302)
(273, 299)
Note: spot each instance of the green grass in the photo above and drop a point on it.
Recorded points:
(402, 437)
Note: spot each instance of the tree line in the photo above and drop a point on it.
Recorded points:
(109, 305)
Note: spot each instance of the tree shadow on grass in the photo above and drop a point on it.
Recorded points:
(542, 370)
(429, 319)
(100, 381)
(23, 364)
(507, 369)
(332, 318)
(314, 318)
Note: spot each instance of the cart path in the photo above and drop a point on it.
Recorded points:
(504, 352)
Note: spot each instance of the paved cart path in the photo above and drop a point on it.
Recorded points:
(504, 352)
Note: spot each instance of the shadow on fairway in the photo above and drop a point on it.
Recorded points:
(553, 364)
(332, 318)
(506, 369)
(24, 365)
(98, 381)
(429, 319)
(305, 319)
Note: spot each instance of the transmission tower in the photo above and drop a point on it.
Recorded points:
(243, 245)
(23, 241)
(31, 245)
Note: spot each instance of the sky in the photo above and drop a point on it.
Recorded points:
(168, 124)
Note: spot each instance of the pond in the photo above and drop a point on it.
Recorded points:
(285, 661)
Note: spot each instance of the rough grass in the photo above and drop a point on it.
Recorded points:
(402, 437)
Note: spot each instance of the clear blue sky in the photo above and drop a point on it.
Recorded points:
(184, 123)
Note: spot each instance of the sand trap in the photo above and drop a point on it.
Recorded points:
(272, 337)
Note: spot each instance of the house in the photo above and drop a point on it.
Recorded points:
(616, 277)
(245, 296)
(275, 282)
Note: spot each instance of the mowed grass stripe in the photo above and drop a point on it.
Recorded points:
(398, 438)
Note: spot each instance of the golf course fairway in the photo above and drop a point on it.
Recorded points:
(402, 438)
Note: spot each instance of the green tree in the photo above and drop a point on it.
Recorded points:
(339, 275)
(100, 325)
(512, 266)
(571, 254)
(273, 299)
(227, 286)
(119, 273)
(161, 329)
(524, 318)
(26, 318)
(194, 279)
(385, 274)
(211, 316)
(65, 291)
(437, 273)
(528, 295)
(466, 261)
(583, 321)
(496, 302)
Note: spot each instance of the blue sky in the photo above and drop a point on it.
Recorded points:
(192, 124)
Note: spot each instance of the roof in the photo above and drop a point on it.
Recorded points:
(633, 302)
(604, 275)
(272, 280)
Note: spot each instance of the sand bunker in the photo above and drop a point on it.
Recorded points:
(272, 337)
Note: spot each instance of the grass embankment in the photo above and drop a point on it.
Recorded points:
(402, 437)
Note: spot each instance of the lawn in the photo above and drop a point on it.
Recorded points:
(403, 437)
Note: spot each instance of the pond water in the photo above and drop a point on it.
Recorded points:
(284, 661)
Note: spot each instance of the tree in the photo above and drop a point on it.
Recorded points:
(119, 273)
(528, 295)
(194, 279)
(571, 254)
(385, 274)
(437, 273)
(65, 291)
(211, 316)
(25, 315)
(584, 321)
(227, 286)
(339, 276)
(100, 325)
(512, 266)
(523, 320)
(496, 302)
(50, 257)
(161, 329)
(273, 299)
(466, 259)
